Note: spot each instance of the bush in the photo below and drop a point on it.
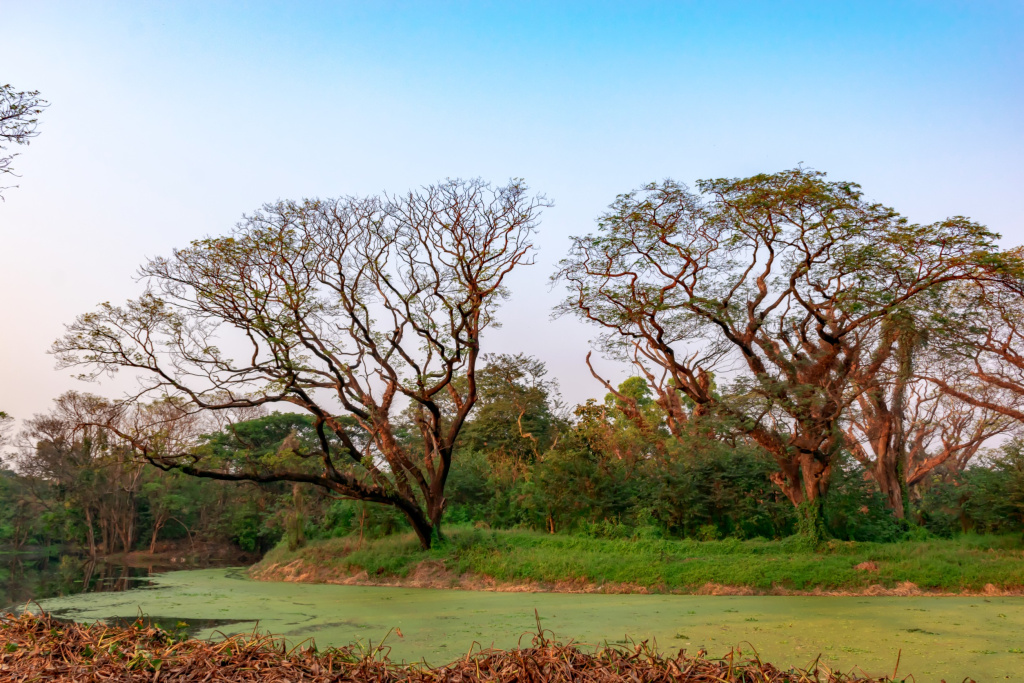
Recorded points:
(855, 510)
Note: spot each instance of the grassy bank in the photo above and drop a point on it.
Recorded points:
(481, 558)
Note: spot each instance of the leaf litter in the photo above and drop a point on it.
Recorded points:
(40, 647)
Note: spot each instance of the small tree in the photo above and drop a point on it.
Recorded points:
(350, 310)
(19, 119)
(517, 416)
(786, 282)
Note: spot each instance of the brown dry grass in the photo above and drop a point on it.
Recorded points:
(38, 647)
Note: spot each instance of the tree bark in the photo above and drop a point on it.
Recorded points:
(89, 534)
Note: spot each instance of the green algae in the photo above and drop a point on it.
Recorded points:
(935, 637)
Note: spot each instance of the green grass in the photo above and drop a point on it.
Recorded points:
(965, 563)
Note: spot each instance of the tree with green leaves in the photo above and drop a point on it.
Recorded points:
(84, 468)
(350, 310)
(784, 283)
(516, 415)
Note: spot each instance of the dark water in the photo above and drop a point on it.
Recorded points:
(35, 576)
(26, 577)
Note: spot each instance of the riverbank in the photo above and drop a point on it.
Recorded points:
(173, 554)
(181, 555)
(521, 561)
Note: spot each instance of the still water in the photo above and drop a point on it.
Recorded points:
(35, 576)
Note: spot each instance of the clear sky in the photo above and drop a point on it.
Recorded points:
(171, 119)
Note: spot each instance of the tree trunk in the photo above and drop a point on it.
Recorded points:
(420, 525)
(887, 475)
(158, 524)
(89, 533)
(805, 480)
(436, 513)
(811, 522)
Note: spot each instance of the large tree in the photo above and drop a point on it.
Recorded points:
(19, 120)
(352, 310)
(788, 284)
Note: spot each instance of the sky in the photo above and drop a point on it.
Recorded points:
(169, 120)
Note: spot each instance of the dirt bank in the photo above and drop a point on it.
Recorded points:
(182, 554)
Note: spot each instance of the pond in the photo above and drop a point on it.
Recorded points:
(36, 575)
(31, 576)
(933, 637)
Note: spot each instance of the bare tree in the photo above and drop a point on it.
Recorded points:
(782, 282)
(19, 119)
(926, 431)
(351, 310)
(984, 357)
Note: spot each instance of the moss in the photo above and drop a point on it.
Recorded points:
(937, 637)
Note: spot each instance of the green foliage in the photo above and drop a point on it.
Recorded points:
(966, 563)
(250, 527)
(855, 510)
(987, 497)
(995, 495)
(513, 415)
(606, 476)
(21, 520)
(342, 518)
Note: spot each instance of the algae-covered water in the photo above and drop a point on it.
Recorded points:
(940, 638)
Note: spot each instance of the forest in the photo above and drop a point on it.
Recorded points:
(802, 360)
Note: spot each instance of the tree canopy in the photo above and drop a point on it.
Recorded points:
(788, 283)
(351, 310)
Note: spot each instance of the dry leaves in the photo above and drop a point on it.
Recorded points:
(39, 647)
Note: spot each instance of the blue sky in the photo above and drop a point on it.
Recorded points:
(169, 120)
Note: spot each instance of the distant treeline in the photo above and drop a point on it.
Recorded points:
(522, 461)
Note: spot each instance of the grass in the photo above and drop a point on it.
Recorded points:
(965, 563)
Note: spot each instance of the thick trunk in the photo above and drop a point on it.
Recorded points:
(436, 512)
(811, 522)
(805, 480)
(420, 523)
(423, 531)
(886, 474)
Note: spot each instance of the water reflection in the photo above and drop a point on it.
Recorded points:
(28, 576)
